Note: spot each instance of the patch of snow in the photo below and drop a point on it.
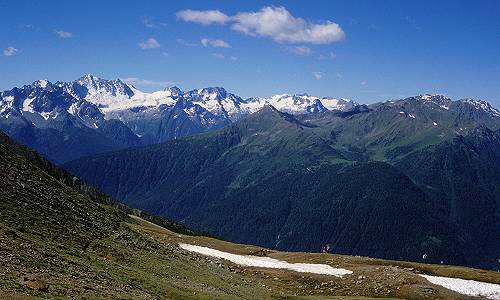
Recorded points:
(483, 105)
(467, 287)
(73, 109)
(337, 104)
(111, 103)
(411, 116)
(300, 104)
(9, 100)
(434, 123)
(45, 115)
(27, 104)
(426, 97)
(42, 83)
(267, 262)
(402, 112)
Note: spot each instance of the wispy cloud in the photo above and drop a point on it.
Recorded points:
(150, 43)
(218, 55)
(214, 43)
(63, 34)
(412, 23)
(273, 22)
(139, 81)
(204, 17)
(299, 50)
(317, 75)
(9, 51)
(363, 83)
(222, 56)
(329, 55)
(339, 76)
(186, 43)
(151, 23)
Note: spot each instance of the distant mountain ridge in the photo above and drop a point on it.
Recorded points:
(68, 120)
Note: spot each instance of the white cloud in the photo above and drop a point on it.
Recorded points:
(299, 50)
(234, 58)
(273, 22)
(9, 51)
(363, 82)
(218, 55)
(166, 54)
(278, 24)
(150, 43)
(204, 17)
(186, 43)
(214, 43)
(139, 81)
(63, 34)
(317, 75)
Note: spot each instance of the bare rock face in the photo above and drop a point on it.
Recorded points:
(33, 282)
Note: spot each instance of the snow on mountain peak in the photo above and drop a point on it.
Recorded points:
(482, 105)
(43, 83)
(433, 97)
(433, 100)
(89, 98)
(174, 91)
(97, 85)
(304, 103)
(211, 93)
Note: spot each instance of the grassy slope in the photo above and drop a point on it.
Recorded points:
(87, 249)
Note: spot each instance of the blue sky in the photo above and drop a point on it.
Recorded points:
(364, 50)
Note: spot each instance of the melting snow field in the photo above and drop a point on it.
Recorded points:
(267, 262)
(467, 287)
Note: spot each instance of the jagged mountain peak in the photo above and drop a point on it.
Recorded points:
(210, 90)
(173, 90)
(438, 99)
(42, 83)
(429, 97)
(269, 113)
(297, 103)
(433, 101)
(209, 93)
(96, 85)
(444, 102)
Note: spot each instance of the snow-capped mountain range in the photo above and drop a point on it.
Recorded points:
(92, 100)
(114, 114)
(114, 96)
